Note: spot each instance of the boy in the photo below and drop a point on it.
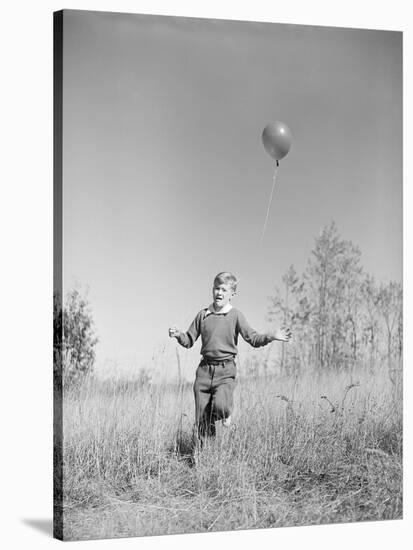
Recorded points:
(219, 326)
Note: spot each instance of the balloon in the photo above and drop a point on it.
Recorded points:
(277, 138)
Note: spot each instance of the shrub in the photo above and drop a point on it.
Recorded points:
(74, 339)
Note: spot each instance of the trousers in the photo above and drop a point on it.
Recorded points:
(214, 394)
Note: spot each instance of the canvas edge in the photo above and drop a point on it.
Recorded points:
(57, 273)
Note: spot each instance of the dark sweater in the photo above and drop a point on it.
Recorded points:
(219, 333)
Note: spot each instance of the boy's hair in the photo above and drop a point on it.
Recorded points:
(226, 278)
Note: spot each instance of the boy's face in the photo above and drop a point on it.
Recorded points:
(222, 294)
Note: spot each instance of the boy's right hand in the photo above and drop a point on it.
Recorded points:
(174, 332)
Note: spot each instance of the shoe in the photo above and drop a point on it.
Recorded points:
(226, 421)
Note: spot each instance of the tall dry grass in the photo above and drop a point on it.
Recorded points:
(305, 450)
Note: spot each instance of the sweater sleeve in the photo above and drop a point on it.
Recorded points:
(250, 335)
(187, 339)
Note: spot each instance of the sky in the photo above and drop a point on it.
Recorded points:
(166, 181)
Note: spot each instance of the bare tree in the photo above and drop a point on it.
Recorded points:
(389, 305)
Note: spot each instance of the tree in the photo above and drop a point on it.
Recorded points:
(371, 326)
(285, 307)
(389, 305)
(74, 338)
(333, 280)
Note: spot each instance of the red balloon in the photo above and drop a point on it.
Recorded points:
(277, 138)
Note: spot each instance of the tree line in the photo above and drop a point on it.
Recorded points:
(341, 317)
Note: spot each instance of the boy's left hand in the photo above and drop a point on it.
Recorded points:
(282, 334)
(174, 332)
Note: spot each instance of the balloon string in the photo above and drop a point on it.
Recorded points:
(274, 178)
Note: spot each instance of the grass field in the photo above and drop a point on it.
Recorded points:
(302, 450)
